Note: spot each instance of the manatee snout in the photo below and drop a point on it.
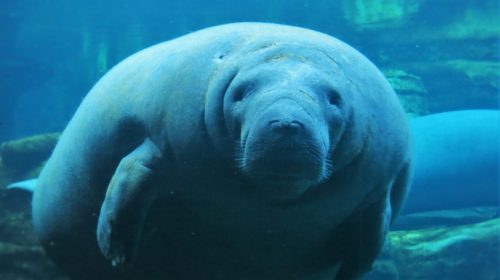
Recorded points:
(286, 126)
(285, 145)
(285, 115)
(286, 119)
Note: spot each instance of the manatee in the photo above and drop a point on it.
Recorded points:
(457, 160)
(242, 151)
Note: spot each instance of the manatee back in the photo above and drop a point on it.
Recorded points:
(456, 160)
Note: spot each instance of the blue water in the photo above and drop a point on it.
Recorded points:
(52, 52)
(440, 56)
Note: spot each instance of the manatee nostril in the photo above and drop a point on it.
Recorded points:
(285, 124)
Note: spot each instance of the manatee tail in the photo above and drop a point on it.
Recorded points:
(27, 185)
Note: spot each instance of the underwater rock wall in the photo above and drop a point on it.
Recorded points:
(21, 158)
(438, 55)
(459, 252)
(21, 256)
(467, 251)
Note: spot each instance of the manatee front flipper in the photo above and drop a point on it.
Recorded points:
(365, 232)
(129, 196)
(363, 238)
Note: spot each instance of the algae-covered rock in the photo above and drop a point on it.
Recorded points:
(414, 105)
(24, 262)
(450, 84)
(15, 218)
(472, 73)
(411, 91)
(377, 14)
(21, 256)
(445, 253)
(448, 49)
(404, 82)
(23, 157)
(478, 21)
(450, 217)
(479, 72)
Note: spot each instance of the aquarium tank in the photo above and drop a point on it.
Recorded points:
(442, 58)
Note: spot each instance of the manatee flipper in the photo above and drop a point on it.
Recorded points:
(399, 190)
(367, 229)
(129, 196)
(364, 235)
(27, 185)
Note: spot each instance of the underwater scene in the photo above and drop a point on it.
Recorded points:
(279, 139)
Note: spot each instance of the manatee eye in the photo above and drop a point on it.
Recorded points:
(239, 95)
(242, 91)
(333, 97)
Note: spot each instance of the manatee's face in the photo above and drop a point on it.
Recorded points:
(286, 118)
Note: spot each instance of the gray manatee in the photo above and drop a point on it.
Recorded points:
(242, 151)
(457, 161)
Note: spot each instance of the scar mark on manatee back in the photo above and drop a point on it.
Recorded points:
(308, 95)
(329, 57)
(267, 45)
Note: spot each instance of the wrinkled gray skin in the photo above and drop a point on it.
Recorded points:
(243, 151)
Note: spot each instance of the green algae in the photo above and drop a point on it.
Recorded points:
(376, 14)
(405, 83)
(445, 252)
(476, 23)
(29, 152)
